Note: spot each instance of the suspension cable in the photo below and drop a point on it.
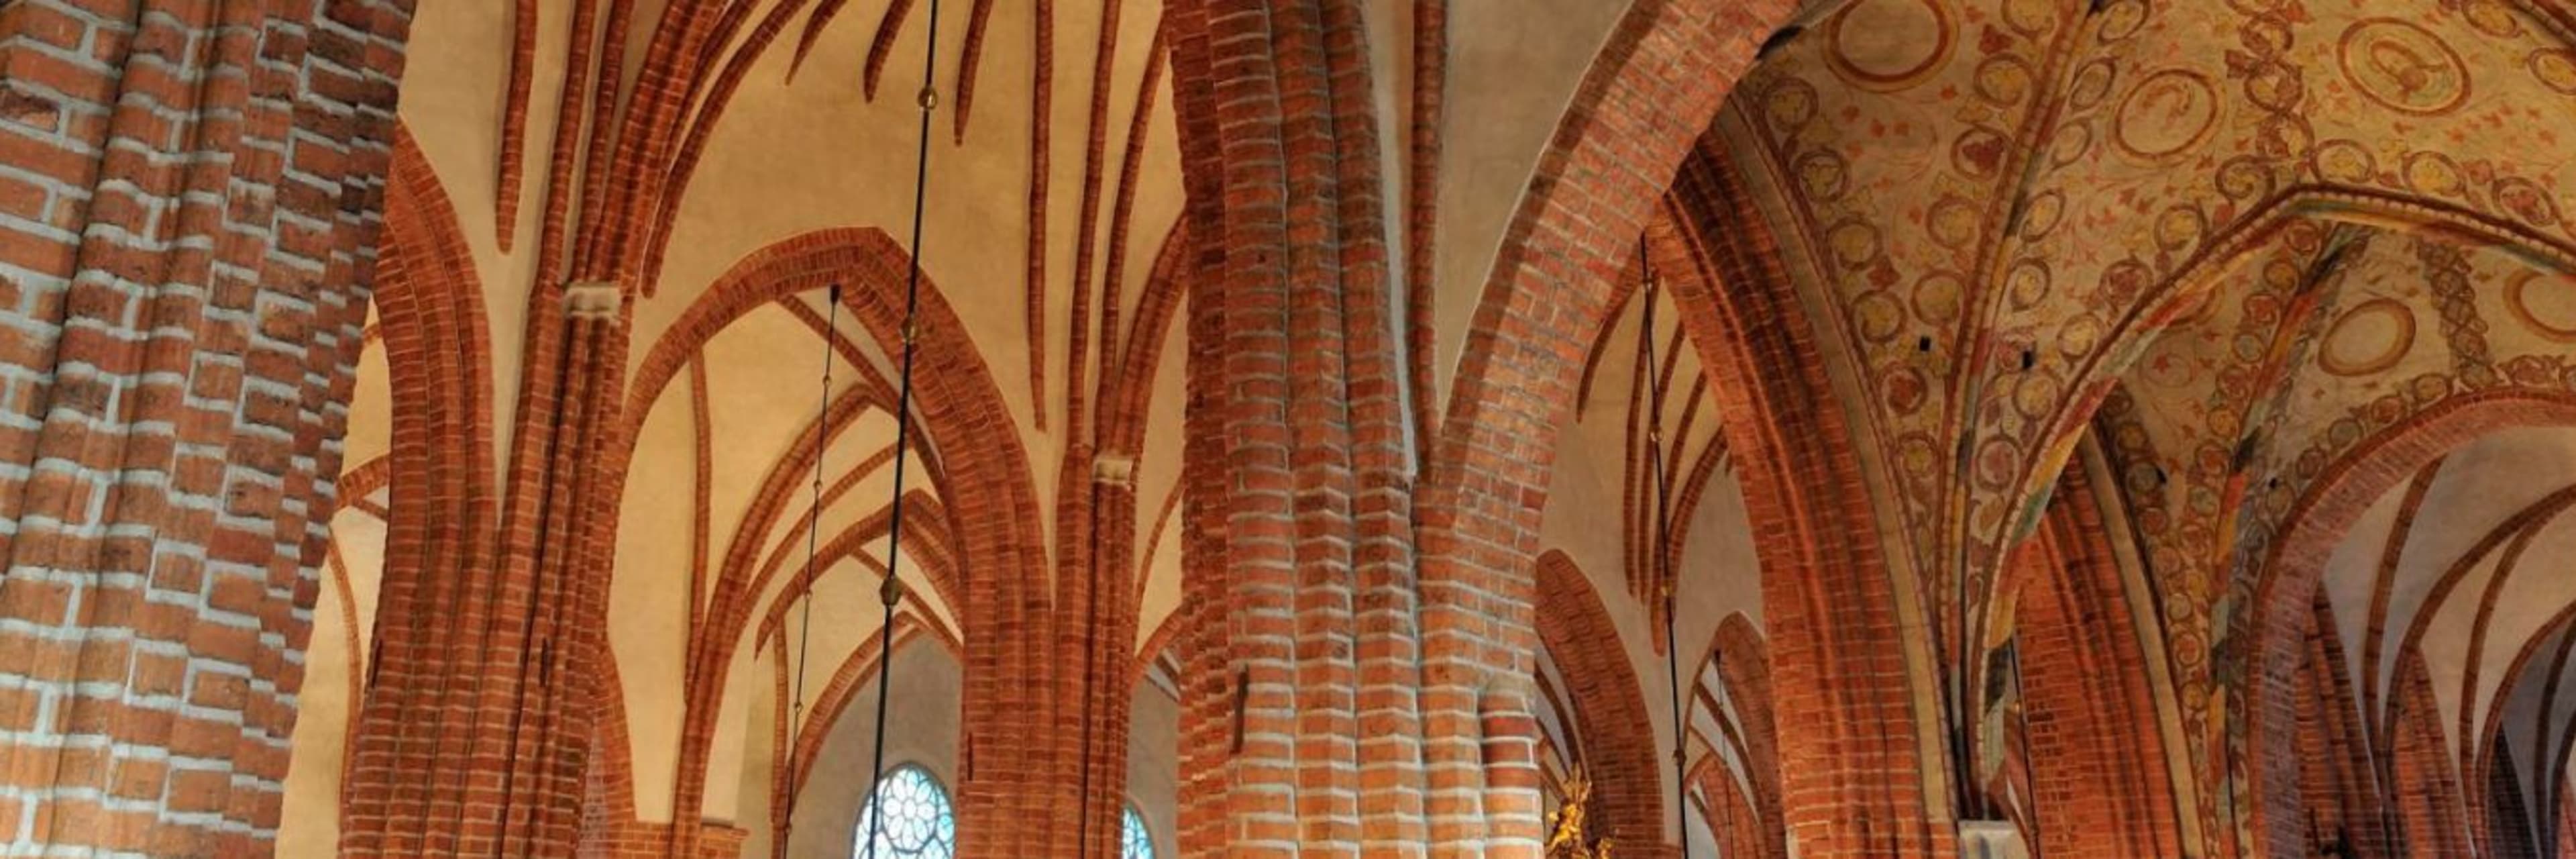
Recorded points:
(813, 528)
(892, 593)
(1660, 556)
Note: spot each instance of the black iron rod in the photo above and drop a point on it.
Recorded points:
(892, 593)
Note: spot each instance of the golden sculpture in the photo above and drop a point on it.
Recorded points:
(1565, 838)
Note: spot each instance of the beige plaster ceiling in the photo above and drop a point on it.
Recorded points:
(800, 147)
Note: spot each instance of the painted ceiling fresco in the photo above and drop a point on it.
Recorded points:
(2244, 236)
(2333, 336)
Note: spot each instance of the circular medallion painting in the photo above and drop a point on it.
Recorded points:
(2545, 305)
(2367, 339)
(2403, 67)
(2166, 114)
(1888, 44)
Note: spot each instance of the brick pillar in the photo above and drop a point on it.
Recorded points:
(2100, 784)
(1206, 689)
(1096, 641)
(1110, 616)
(1852, 771)
(472, 742)
(2431, 807)
(1300, 733)
(1508, 760)
(187, 245)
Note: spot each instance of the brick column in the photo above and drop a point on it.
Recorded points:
(189, 197)
(472, 742)
(1851, 761)
(1095, 641)
(1301, 733)
(2099, 782)
(1206, 691)
(1112, 487)
(2424, 787)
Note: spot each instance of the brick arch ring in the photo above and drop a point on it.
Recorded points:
(2291, 572)
(1652, 90)
(1831, 598)
(1742, 657)
(1617, 737)
(993, 508)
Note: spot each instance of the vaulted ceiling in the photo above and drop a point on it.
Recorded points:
(2461, 574)
(2006, 205)
(786, 165)
(2238, 225)
(2233, 242)
(777, 158)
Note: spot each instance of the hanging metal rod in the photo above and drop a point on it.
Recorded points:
(813, 528)
(1660, 553)
(892, 593)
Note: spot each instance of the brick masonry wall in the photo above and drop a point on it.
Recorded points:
(2338, 779)
(1618, 740)
(2426, 788)
(1852, 781)
(189, 201)
(2098, 767)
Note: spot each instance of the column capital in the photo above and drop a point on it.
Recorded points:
(593, 299)
(1114, 469)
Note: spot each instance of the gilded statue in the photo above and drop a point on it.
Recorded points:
(1565, 838)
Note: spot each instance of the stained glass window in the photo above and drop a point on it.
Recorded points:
(1133, 841)
(918, 821)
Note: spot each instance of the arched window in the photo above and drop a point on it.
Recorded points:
(1133, 841)
(918, 821)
